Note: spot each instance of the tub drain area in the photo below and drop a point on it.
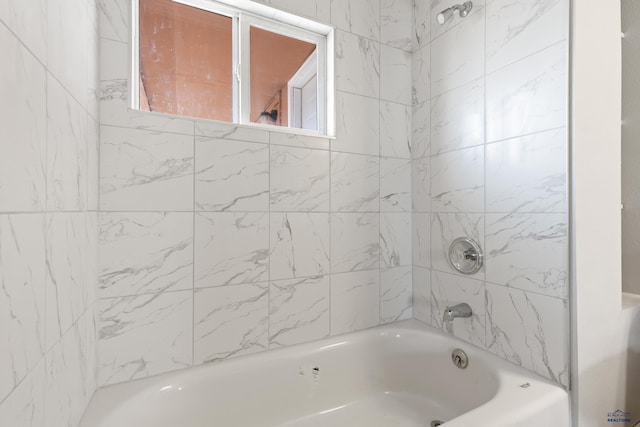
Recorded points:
(436, 423)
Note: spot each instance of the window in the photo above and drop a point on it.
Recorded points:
(247, 63)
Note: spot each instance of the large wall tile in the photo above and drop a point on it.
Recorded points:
(27, 19)
(459, 53)
(529, 330)
(395, 294)
(144, 335)
(395, 75)
(395, 23)
(299, 245)
(421, 238)
(23, 148)
(354, 241)
(457, 118)
(299, 310)
(231, 176)
(445, 228)
(355, 183)
(457, 181)
(309, 190)
(67, 136)
(358, 124)
(516, 29)
(421, 185)
(529, 252)
(25, 406)
(355, 301)
(421, 281)
(22, 300)
(114, 19)
(220, 130)
(145, 171)
(230, 321)
(361, 17)
(528, 174)
(231, 248)
(448, 290)
(357, 64)
(421, 130)
(421, 75)
(395, 185)
(395, 130)
(528, 96)
(395, 239)
(421, 23)
(142, 253)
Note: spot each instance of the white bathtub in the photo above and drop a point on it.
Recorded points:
(397, 375)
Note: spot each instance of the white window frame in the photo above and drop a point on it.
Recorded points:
(244, 15)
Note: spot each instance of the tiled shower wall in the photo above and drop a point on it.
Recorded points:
(490, 162)
(48, 210)
(217, 241)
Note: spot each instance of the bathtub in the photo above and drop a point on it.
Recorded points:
(399, 375)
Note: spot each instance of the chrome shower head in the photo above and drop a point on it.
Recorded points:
(463, 11)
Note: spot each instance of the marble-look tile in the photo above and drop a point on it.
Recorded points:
(27, 19)
(230, 321)
(518, 28)
(528, 174)
(93, 60)
(219, 130)
(67, 136)
(421, 24)
(145, 171)
(421, 75)
(528, 252)
(25, 406)
(361, 17)
(114, 60)
(299, 245)
(23, 148)
(318, 9)
(448, 290)
(114, 19)
(395, 294)
(231, 248)
(66, 393)
(395, 239)
(358, 124)
(421, 185)
(231, 176)
(301, 141)
(115, 110)
(22, 297)
(299, 310)
(529, 330)
(439, 5)
(457, 118)
(395, 185)
(457, 181)
(355, 183)
(67, 272)
(93, 164)
(422, 294)
(144, 335)
(421, 130)
(357, 64)
(421, 240)
(354, 241)
(460, 53)
(395, 130)
(395, 23)
(445, 228)
(145, 252)
(528, 96)
(355, 301)
(299, 179)
(67, 57)
(395, 75)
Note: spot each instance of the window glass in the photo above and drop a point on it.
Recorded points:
(284, 84)
(186, 60)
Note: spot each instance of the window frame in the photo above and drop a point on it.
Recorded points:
(246, 14)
